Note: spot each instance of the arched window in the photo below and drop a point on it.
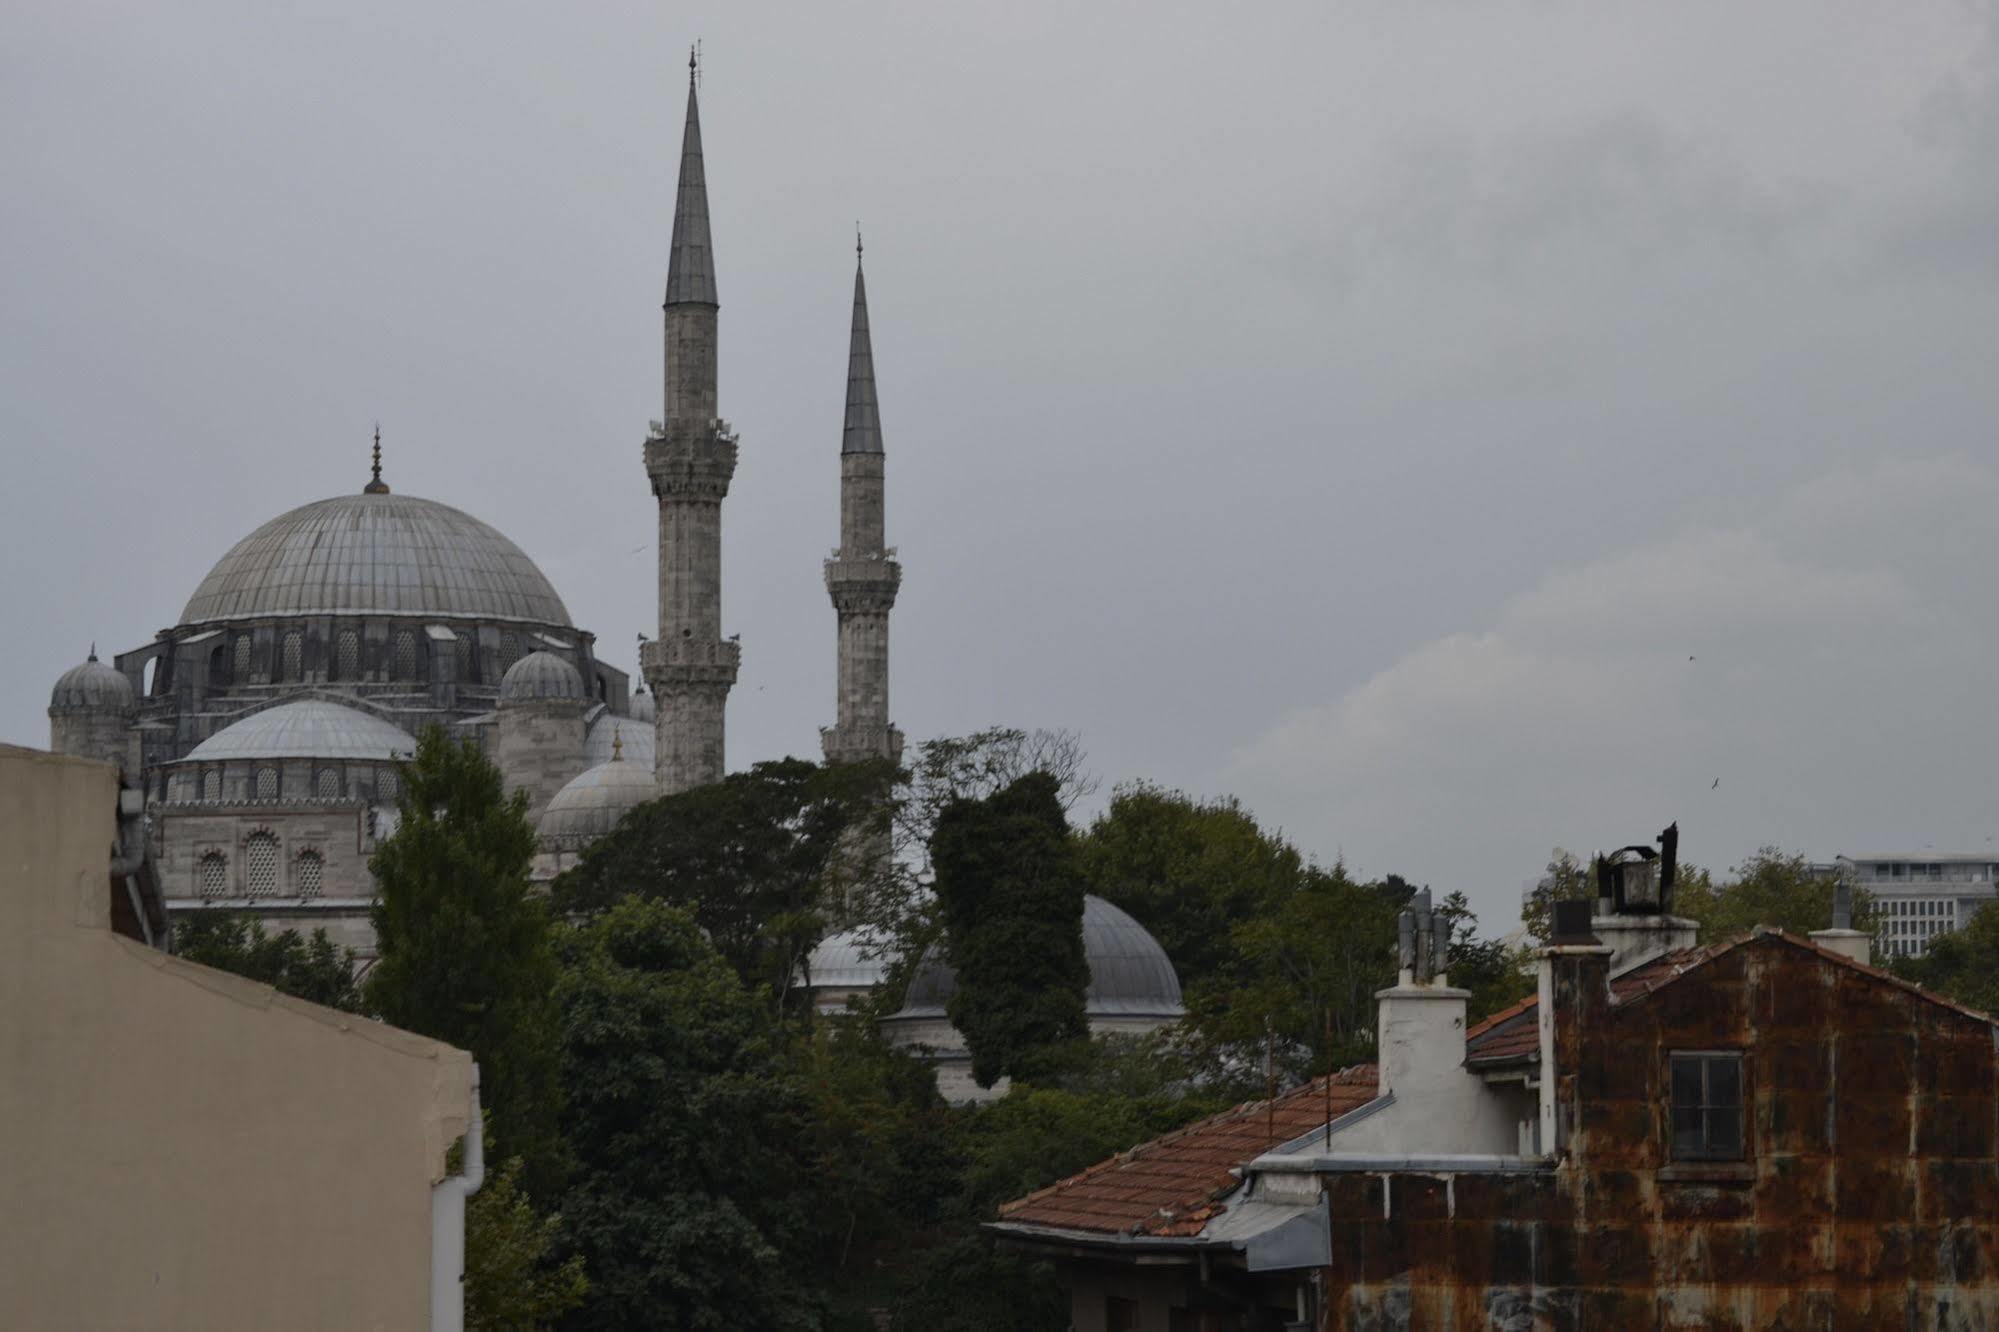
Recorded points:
(326, 785)
(218, 667)
(260, 865)
(347, 656)
(294, 655)
(467, 662)
(387, 787)
(308, 873)
(211, 875)
(510, 650)
(405, 655)
(267, 783)
(211, 784)
(241, 674)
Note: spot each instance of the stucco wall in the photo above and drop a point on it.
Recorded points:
(186, 1149)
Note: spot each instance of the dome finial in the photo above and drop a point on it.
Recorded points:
(377, 486)
(857, 242)
(617, 746)
(93, 651)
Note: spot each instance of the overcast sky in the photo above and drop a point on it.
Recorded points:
(1457, 429)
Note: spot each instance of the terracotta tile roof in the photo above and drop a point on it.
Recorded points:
(1169, 1186)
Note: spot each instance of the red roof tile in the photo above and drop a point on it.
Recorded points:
(1168, 1186)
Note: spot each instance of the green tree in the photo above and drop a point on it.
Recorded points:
(1011, 898)
(687, 1201)
(1496, 973)
(1188, 870)
(311, 969)
(1770, 888)
(512, 1283)
(1566, 879)
(465, 952)
(755, 857)
(1308, 971)
(1963, 963)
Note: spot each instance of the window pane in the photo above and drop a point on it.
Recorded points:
(1686, 1080)
(1724, 1130)
(1724, 1081)
(1686, 1133)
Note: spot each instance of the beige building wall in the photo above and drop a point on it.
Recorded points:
(183, 1148)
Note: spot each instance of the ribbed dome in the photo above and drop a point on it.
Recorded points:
(311, 728)
(1130, 975)
(92, 685)
(592, 804)
(849, 960)
(632, 736)
(541, 675)
(376, 555)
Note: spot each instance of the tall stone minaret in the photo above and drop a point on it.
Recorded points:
(862, 576)
(690, 458)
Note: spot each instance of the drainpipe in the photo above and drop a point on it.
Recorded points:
(447, 1225)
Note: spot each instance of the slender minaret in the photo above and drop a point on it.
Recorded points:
(690, 457)
(862, 576)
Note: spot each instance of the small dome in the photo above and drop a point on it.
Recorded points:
(541, 675)
(592, 804)
(849, 960)
(641, 707)
(608, 731)
(92, 685)
(1130, 975)
(311, 728)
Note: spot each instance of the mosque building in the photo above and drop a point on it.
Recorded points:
(263, 731)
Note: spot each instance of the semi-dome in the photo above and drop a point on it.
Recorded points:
(541, 675)
(1130, 975)
(311, 728)
(593, 802)
(376, 554)
(92, 685)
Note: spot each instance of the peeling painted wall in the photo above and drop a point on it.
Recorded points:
(1869, 1196)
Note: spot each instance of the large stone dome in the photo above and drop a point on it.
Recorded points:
(378, 554)
(1130, 975)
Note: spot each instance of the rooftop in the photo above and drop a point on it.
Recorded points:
(1171, 1186)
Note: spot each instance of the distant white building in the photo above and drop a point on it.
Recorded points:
(1920, 896)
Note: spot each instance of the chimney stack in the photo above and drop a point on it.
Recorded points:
(1842, 938)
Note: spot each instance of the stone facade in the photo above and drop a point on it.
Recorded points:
(690, 458)
(540, 747)
(863, 576)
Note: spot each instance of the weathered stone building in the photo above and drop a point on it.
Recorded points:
(1766, 1132)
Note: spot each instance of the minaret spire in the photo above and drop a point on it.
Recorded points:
(691, 458)
(863, 576)
(377, 486)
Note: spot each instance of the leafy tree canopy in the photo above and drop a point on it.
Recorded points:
(757, 857)
(1770, 888)
(511, 1282)
(1566, 879)
(1497, 973)
(465, 950)
(1189, 871)
(1011, 897)
(311, 969)
(1962, 963)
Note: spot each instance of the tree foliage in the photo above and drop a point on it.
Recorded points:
(1566, 879)
(1189, 871)
(1770, 888)
(512, 1283)
(756, 857)
(1497, 973)
(1011, 898)
(465, 953)
(311, 969)
(1962, 963)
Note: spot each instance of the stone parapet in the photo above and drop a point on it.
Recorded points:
(863, 585)
(684, 663)
(691, 461)
(859, 743)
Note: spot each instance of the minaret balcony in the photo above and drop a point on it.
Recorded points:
(685, 662)
(692, 460)
(863, 585)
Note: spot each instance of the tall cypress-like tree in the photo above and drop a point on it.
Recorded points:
(1011, 895)
(466, 954)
